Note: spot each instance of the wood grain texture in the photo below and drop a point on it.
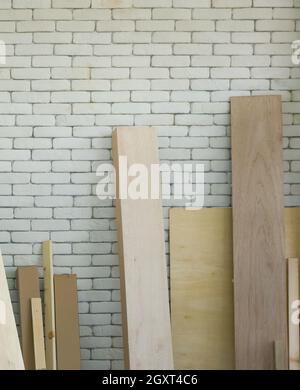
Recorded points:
(67, 322)
(202, 289)
(293, 295)
(292, 232)
(28, 287)
(38, 334)
(10, 350)
(143, 270)
(258, 231)
(49, 306)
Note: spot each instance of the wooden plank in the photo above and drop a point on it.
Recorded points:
(293, 295)
(28, 287)
(143, 271)
(201, 288)
(49, 306)
(258, 231)
(279, 357)
(38, 334)
(67, 322)
(10, 350)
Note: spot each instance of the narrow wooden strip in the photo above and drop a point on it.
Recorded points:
(293, 295)
(258, 231)
(67, 322)
(144, 286)
(28, 287)
(201, 288)
(279, 357)
(49, 306)
(10, 350)
(38, 334)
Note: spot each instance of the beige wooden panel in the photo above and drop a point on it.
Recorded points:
(143, 270)
(201, 288)
(293, 295)
(38, 334)
(10, 350)
(28, 287)
(67, 322)
(258, 231)
(49, 306)
(292, 232)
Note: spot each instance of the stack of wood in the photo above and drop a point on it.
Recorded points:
(49, 341)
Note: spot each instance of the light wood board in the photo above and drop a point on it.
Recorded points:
(258, 231)
(38, 334)
(67, 322)
(10, 349)
(293, 295)
(292, 232)
(28, 287)
(143, 269)
(201, 288)
(49, 306)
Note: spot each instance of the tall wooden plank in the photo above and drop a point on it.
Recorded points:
(28, 287)
(201, 288)
(144, 285)
(67, 322)
(293, 295)
(258, 231)
(38, 334)
(49, 306)
(10, 350)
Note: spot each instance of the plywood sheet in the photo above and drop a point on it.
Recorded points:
(38, 334)
(49, 306)
(28, 287)
(292, 232)
(143, 269)
(201, 288)
(258, 231)
(67, 322)
(10, 350)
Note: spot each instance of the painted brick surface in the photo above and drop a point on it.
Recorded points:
(76, 68)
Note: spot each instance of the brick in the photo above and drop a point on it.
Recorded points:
(35, 120)
(30, 73)
(161, 108)
(252, 13)
(154, 120)
(168, 61)
(75, 25)
(31, 4)
(132, 37)
(73, 120)
(49, 225)
(171, 37)
(33, 49)
(52, 61)
(32, 143)
(91, 108)
(270, 73)
(131, 61)
(273, 3)
(71, 166)
(111, 4)
(50, 178)
(155, 25)
(81, 212)
(131, 13)
(44, 37)
(110, 73)
(149, 96)
(208, 37)
(91, 14)
(116, 25)
(125, 85)
(24, 14)
(51, 155)
(90, 85)
(195, 25)
(286, 13)
(275, 25)
(212, 13)
(73, 143)
(113, 49)
(169, 84)
(70, 97)
(253, 37)
(71, 3)
(120, 96)
(232, 3)
(52, 14)
(73, 49)
(87, 154)
(130, 108)
(31, 26)
(52, 131)
(33, 213)
(53, 201)
(152, 3)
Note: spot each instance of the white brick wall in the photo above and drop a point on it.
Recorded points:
(75, 69)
